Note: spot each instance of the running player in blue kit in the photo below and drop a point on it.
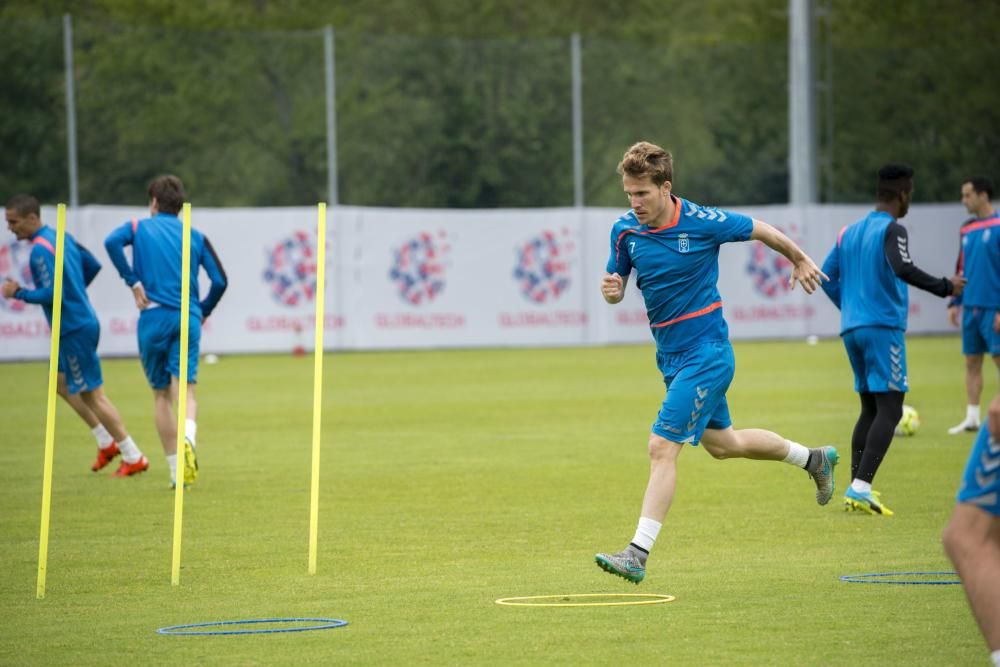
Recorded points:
(154, 276)
(673, 246)
(869, 269)
(80, 380)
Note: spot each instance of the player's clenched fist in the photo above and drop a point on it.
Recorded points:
(613, 287)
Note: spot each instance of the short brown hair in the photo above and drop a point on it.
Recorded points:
(24, 205)
(169, 193)
(646, 159)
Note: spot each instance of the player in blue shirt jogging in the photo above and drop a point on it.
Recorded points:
(979, 305)
(80, 381)
(673, 246)
(869, 269)
(155, 279)
(972, 537)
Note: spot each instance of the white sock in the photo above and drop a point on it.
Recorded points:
(172, 464)
(102, 436)
(645, 533)
(996, 657)
(130, 453)
(798, 455)
(861, 486)
(972, 414)
(190, 431)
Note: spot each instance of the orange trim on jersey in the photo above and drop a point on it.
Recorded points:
(980, 224)
(652, 230)
(135, 224)
(840, 236)
(677, 214)
(38, 240)
(697, 313)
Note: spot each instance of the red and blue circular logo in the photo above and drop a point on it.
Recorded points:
(419, 266)
(291, 269)
(15, 259)
(770, 271)
(542, 270)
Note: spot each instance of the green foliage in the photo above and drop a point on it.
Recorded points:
(453, 478)
(33, 108)
(237, 116)
(454, 123)
(461, 104)
(911, 83)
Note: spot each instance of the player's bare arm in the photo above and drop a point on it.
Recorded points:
(613, 287)
(804, 269)
(139, 292)
(10, 288)
(953, 316)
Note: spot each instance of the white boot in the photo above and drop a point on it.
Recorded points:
(970, 423)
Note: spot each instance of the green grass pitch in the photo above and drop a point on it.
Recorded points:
(452, 478)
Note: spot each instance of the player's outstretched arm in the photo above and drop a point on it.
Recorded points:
(897, 253)
(804, 269)
(613, 287)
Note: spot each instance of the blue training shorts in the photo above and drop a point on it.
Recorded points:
(878, 358)
(978, 336)
(981, 482)
(78, 359)
(159, 333)
(697, 380)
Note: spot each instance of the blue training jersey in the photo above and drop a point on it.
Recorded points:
(979, 262)
(677, 270)
(156, 261)
(862, 282)
(80, 267)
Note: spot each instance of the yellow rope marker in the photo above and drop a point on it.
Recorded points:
(50, 414)
(175, 568)
(319, 296)
(567, 600)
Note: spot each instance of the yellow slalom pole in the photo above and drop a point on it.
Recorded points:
(50, 416)
(319, 296)
(175, 568)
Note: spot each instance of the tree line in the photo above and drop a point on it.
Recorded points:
(446, 104)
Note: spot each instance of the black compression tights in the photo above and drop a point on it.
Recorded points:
(873, 432)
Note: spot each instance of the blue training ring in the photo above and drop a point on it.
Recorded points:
(875, 578)
(326, 624)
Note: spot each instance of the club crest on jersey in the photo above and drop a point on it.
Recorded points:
(682, 243)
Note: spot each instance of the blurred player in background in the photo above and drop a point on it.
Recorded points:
(979, 306)
(154, 276)
(673, 245)
(80, 380)
(869, 269)
(972, 538)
